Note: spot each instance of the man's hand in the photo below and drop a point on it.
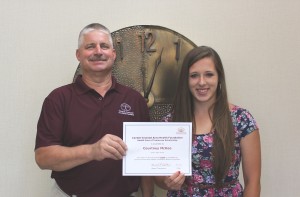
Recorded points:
(109, 146)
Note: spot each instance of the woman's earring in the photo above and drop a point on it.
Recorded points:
(220, 86)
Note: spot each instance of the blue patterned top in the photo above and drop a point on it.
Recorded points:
(202, 168)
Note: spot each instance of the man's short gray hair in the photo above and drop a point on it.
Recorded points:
(92, 27)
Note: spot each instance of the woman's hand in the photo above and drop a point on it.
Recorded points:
(173, 182)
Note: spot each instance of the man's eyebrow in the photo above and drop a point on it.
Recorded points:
(91, 43)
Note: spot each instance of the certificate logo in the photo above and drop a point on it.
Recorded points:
(181, 130)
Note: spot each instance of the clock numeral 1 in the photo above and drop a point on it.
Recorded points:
(178, 47)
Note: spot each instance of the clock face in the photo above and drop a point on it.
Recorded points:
(149, 60)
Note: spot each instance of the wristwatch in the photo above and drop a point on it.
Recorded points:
(149, 60)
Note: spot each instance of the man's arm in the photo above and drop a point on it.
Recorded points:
(60, 158)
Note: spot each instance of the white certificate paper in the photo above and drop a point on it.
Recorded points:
(157, 148)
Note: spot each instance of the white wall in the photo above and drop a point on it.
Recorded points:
(259, 42)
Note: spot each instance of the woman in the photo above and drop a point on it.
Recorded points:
(223, 134)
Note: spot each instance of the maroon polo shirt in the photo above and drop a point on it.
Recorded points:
(75, 114)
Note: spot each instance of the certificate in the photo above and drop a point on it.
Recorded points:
(157, 148)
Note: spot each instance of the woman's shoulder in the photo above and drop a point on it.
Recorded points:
(236, 109)
(243, 120)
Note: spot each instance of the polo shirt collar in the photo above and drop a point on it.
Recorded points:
(82, 88)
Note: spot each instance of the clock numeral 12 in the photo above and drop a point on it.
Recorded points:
(147, 41)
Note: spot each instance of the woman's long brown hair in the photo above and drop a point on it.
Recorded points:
(183, 111)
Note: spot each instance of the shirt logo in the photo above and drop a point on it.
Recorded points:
(125, 109)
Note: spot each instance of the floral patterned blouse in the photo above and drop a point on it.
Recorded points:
(202, 173)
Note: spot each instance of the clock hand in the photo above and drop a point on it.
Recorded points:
(143, 69)
(158, 61)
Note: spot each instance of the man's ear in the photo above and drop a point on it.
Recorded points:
(115, 54)
(77, 53)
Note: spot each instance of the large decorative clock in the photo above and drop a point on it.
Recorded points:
(149, 60)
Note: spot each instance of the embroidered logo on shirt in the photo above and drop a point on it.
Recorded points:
(125, 109)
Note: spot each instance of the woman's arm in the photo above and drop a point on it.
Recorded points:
(147, 186)
(251, 162)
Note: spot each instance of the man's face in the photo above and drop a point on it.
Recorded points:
(96, 53)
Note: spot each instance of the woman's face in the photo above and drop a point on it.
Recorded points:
(203, 81)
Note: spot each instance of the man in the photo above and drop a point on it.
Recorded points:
(79, 132)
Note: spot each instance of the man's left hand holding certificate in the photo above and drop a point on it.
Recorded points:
(157, 148)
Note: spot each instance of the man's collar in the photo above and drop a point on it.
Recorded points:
(82, 88)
